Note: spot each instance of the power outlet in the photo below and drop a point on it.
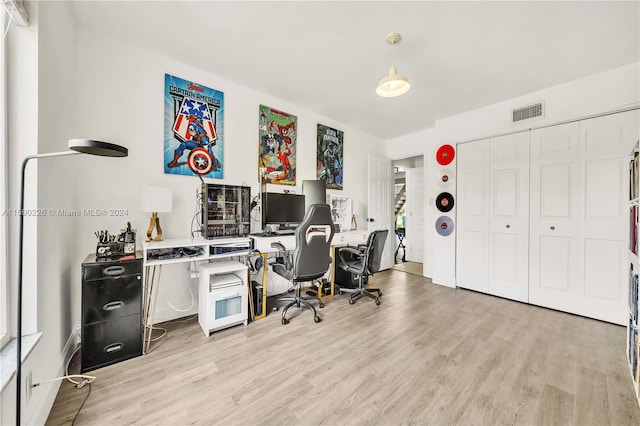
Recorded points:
(29, 386)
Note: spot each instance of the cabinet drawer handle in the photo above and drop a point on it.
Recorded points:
(508, 226)
(552, 228)
(114, 347)
(112, 306)
(113, 270)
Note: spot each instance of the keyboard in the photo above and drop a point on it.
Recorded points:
(285, 232)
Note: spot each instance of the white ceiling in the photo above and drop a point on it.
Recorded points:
(328, 56)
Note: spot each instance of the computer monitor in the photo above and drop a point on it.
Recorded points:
(282, 209)
(315, 192)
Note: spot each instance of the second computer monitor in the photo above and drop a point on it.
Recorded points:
(315, 192)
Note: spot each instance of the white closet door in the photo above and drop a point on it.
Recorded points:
(555, 185)
(473, 216)
(605, 144)
(579, 188)
(509, 217)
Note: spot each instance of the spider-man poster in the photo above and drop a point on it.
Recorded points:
(193, 129)
(329, 150)
(277, 152)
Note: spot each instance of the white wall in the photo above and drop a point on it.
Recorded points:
(42, 111)
(121, 99)
(22, 97)
(610, 90)
(56, 240)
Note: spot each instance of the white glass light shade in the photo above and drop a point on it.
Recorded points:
(393, 85)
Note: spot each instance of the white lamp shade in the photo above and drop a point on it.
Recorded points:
(393, 85)
(156, 199)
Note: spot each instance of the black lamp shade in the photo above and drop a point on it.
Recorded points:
(103, 149)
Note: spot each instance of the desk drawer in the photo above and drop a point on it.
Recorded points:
(106, 299)
(110, 270)
(264, 243)
(108, 342)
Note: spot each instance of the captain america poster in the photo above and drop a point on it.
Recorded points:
(193, 129)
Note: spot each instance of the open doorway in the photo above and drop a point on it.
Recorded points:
(409, 214)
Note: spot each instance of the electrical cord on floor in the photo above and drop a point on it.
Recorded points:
(164, 330)
(81, 405)
(87, 380)
(155, 339)
(70, 377)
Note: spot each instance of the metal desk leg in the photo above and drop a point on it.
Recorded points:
(151, 281)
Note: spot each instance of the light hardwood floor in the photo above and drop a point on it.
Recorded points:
(427, 355)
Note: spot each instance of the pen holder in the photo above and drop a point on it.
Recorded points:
(111, 249)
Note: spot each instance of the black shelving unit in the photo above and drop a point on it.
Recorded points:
(225, 211)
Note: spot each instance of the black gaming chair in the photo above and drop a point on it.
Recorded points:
(363, 262)
(310, 259)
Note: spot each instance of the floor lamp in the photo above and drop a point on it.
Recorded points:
(76, 146)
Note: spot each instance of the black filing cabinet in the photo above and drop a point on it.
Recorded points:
(111, 311)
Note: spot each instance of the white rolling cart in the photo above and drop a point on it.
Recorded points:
(223, 295)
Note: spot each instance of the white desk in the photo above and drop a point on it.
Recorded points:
(153, 268)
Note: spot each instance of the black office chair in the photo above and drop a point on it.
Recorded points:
(363, 262)
(310, 259)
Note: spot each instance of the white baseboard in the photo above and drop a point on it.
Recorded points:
(47, 400)
(168, 313)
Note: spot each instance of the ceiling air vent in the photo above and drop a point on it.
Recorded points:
(527, 112)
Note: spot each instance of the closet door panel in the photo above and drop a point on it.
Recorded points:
(555, 173)
(606, 143)
(555, 183)
(579, 181)
(509, 217)
(555, 256)
(473, 216)
(504, 262)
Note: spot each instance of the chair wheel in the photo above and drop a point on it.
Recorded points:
(316, 319)
(321, 305)
(285, 321)
(379, 293)
(351, 302)
(377, 301)
(275, 309)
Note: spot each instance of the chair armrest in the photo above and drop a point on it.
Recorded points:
(288, 262)
(279, 246)
(355, 252)
(350, 250)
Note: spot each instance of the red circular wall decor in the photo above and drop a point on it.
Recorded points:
(445, 154)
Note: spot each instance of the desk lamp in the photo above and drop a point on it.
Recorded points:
(77, 146)
(156, 200)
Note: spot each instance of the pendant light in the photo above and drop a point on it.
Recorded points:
(393, 84)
